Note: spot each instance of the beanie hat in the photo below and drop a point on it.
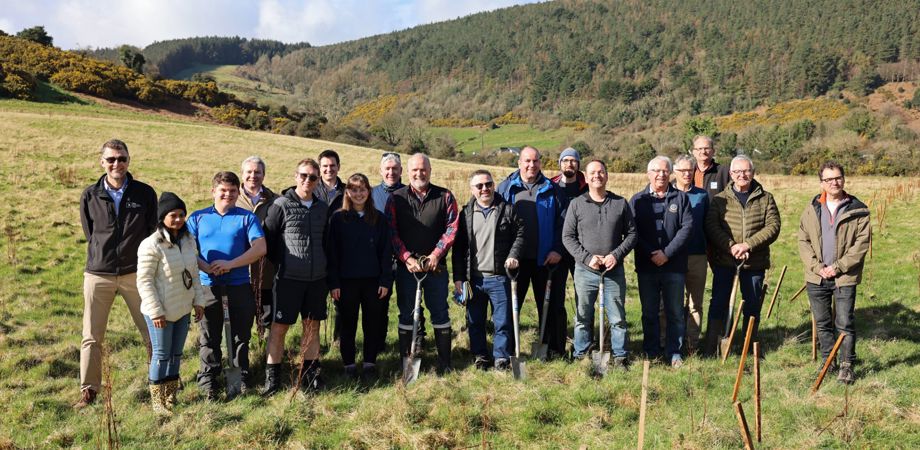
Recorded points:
(168, 202)
(569, 152)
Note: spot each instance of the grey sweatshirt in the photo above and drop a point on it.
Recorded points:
(593, 228)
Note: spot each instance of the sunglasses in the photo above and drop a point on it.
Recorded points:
(113, 159)
(307, 176)
(391, 154)
(487, 184)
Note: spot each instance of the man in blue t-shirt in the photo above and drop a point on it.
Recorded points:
(229, 239)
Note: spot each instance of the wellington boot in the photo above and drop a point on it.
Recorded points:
(171, 388)
(272, 380)
(158, 400)
(405, 342)
(714, 330)
(442, 340)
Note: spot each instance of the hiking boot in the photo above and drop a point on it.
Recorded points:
(830, 369)
(272, 380)
(212, 393)
(158, 400)
(442, 340)
(87, 397)
(483, 363)
(312, 381)
(846, 374)
(503, 364)
(620, 362)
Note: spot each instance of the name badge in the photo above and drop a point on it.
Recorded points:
(713, 185)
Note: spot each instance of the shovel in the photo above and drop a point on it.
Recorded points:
(233, 372)
(517, 366)
(725, 342)
(600, 359)
(538, 349)
(412, 364)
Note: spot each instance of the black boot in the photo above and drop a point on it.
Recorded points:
(442, 340)
(714, 330)
(311, 381)
(405, 342)
(272, 380)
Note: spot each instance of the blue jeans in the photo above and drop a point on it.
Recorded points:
(587, 284)
(167, 346)
(750, 283)
(495, 290)
(435, 294)
(656, 289)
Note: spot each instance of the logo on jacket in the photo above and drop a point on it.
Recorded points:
(672, 208)
(132, 205)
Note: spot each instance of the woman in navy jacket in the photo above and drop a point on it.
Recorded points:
(360, 256)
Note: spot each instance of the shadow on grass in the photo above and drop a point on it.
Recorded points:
(46, 93)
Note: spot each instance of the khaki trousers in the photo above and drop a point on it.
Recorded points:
(695, 287)
(98, 296)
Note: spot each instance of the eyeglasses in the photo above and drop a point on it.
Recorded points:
(486, 185)
(659, 171)
(833, 180)
(311, 177)
(684, 171)
(742, 172)
(113, 159)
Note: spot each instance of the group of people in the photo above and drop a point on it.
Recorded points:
(257, 256)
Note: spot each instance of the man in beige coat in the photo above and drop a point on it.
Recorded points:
(256, 198)
(833, 240)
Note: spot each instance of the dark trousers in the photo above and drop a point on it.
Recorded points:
(360, 294)
(829, 327)
(750, 283)
(242, 309)
(556, 322)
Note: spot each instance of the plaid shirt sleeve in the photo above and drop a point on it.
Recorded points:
(399, 248)
(450, 233)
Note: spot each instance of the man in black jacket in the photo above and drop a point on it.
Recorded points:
(295, 227)
(708, 174)
(489, 240)
(117, 213)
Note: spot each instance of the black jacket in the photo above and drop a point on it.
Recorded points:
(295, 237)
(509, 239)
(715, 178)
(112, 241)
(358, 249)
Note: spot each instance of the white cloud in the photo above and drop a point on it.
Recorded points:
(109, 23)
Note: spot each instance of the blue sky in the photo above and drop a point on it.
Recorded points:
(109, 23)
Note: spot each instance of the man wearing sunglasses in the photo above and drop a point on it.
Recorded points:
(117, 213)
(295, 227)
(489, 239)
(833, 240)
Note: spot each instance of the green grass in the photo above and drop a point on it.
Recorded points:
(50, 153)
(228, 81)
(477, 139)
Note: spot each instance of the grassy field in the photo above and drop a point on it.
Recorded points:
(471, 139)
(228, 81)
(51, 155)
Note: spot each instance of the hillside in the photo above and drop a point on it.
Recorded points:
(52, 153)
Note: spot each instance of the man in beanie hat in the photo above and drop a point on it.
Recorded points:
(117, 213)
(571, 181)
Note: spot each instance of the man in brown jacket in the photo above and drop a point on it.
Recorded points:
(833, 241)
(742, 222)
(256, 198)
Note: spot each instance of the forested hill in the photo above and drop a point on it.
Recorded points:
(615, 63)
(167, 58)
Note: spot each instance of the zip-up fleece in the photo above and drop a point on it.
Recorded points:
(757, 223)
(853, 231)
(112, 242)
(509, 238)
(295, 236)
(160, 283)
(550, 207)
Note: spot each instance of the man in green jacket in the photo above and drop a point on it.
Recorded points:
(833, 241)
(742, 222)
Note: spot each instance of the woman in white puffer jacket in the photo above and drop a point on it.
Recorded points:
(168, 283)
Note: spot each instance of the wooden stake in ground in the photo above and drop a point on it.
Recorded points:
(814, 339)
(776, 291)
(827, 363)
(743, 426)
(645, 367)
(731, 335)
(798, 293)
(744, 351)
(757, 390)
